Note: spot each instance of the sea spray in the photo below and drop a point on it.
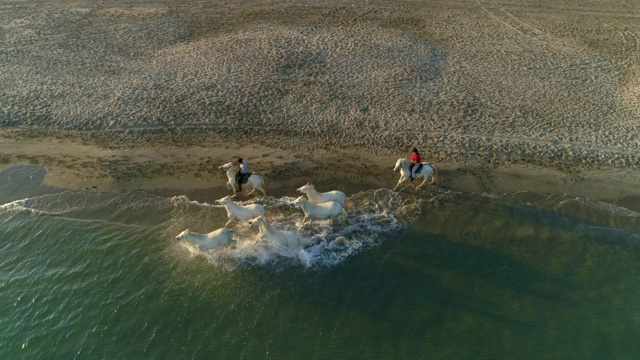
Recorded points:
(373, 215)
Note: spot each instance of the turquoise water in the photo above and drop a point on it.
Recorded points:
(439, 276)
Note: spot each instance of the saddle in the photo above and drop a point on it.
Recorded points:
(418, 167)
(242, 178)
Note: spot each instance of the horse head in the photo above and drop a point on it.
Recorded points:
(400, 164)
(183, 234)
(226, 166)
(305, 188)
(224, 200)
(298, 200)
(262, 223)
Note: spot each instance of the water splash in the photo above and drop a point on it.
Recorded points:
(371, 216)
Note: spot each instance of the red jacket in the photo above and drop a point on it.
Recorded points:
(415, 157)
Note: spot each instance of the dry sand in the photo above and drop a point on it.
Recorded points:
(539, 96)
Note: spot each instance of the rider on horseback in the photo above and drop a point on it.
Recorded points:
(415, 161)
(243, 172)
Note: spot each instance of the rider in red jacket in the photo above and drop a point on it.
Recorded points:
(415, 160)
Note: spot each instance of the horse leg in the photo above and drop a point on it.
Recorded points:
(258, 185)
(402, 179)
(228, 222)
(433, 176)
(424, 181)
(345, 217)
(253, 189)
(231, 187)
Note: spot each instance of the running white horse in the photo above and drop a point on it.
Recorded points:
(318, 198)
(208, 241)
(237, 212)
(328, 210)
(287, 239)
(254, 180)
(404, 165)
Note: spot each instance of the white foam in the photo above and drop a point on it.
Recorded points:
(374, 215)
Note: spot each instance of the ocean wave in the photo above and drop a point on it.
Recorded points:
(133, 208)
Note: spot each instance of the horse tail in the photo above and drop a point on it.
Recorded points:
(435, 174)
(258, 176)
(262, 185)
(348, 204)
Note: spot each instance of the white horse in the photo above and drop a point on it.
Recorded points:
(254, 180)
(328, 210)
(208, 241)
(404, 165)
(285, 238)
(318, 198)
(237, 212)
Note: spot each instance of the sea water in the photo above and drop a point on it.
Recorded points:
(437, 275)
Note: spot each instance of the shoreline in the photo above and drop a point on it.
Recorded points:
(155, 96)
(188, 166)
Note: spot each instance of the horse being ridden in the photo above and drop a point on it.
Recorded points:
(253, 179)
(425, 171)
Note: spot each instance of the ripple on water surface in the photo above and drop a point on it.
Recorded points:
(98, 274)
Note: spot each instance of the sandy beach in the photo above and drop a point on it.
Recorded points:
(115, 116)
(540, 97)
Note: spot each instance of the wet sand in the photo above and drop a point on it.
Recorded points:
(170, 165)
(502, 96)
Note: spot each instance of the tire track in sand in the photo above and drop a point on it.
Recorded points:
(497, 18)
(633, 40)
(525, 27)
(508, 19)
(628, 37)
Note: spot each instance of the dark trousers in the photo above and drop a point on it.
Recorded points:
(239, 179)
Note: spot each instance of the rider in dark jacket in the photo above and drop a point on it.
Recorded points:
(243, 171)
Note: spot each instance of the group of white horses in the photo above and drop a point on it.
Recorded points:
(317, 206)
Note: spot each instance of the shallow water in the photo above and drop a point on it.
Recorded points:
(444, 275)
